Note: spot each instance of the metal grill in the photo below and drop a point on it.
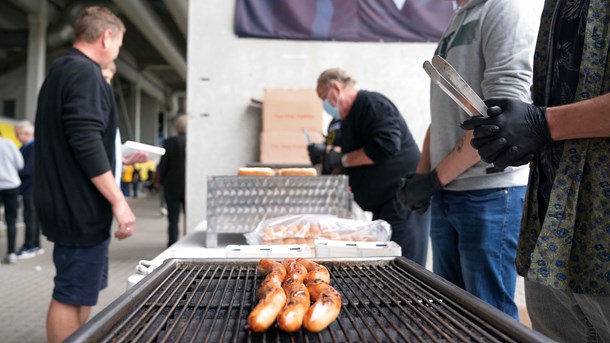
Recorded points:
(387, 300)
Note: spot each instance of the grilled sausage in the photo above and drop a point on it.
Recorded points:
(325, 310)
(315, 271)
(267, 310)
(272, 296)
(291, 317)
(294, 270)
(316, 287)
(266, 267)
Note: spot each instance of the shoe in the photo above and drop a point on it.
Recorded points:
(10, 259)
(24, 253)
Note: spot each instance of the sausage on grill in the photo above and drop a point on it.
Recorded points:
(291, 317)
(294, 270)
(272, 296)
(326, 308)
(315, 271)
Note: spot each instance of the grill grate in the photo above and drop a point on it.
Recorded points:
(391, 300)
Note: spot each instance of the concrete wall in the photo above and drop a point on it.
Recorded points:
(12, 87)
(224, 72)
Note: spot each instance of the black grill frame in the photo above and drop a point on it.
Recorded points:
(384, 300)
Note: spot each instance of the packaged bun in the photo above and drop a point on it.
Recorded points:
(305, 228)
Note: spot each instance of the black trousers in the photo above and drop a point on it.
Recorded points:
(410, 230)
(10, 199)
(32, 227)
(174, 204)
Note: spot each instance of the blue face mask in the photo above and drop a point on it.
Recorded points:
(330, 109)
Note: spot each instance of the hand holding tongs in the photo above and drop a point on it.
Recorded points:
(445, 76)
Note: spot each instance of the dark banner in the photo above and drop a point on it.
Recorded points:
(344, 20)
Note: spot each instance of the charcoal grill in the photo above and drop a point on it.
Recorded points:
(384, 300)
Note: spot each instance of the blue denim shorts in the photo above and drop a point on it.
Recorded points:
(81, 273)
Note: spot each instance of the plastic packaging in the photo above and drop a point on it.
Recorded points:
(306, 228)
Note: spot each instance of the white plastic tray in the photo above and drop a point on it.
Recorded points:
(269, 251)
(332, 248)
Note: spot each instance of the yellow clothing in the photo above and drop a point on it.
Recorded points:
(145, 168)
(127, 174)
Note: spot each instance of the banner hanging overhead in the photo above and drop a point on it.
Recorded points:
(344, 20)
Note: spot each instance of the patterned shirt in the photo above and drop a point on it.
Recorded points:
(566, 244)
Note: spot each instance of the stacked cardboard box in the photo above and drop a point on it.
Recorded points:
(286, 112)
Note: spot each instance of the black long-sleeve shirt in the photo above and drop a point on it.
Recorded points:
(375, 124)
(172, 167)
(27, 173)
(75, 128)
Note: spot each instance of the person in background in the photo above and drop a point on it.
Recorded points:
(147, 170)
(108, 72)
(475, 208)
(24, 131)
(172, 173)
(75, 193)
(135, 181)
(11, 162)
(564, 135)
(317, 151)
(377, 150)
(127, 180)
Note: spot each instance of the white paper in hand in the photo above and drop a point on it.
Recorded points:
(153, 152)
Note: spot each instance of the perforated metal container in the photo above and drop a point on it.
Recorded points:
(236, 204)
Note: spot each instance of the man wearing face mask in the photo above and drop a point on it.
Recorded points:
(377, 150)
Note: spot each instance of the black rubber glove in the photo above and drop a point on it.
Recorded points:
(316, 152)
(332, 160)
(509, 137)
(417, 190)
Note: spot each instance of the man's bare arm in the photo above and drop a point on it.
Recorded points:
(106, 184)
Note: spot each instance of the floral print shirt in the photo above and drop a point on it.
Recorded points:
(565, 231)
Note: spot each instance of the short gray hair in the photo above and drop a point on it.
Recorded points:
(25, 126)
(335, 74)
(180, 123)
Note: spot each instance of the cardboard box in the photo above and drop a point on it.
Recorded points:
(286, 147)
(292, 110)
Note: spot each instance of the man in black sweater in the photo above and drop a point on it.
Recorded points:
(377, 150)
(171, 172)
(75, 191)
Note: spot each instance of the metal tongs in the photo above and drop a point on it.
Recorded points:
(445, 76)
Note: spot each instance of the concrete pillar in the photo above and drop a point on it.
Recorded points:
(36, 58)
(137, 114)
(149, 123)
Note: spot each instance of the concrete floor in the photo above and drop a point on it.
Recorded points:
(26, 287)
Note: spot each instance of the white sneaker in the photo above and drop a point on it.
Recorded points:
(10, 259)
(29, 253)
